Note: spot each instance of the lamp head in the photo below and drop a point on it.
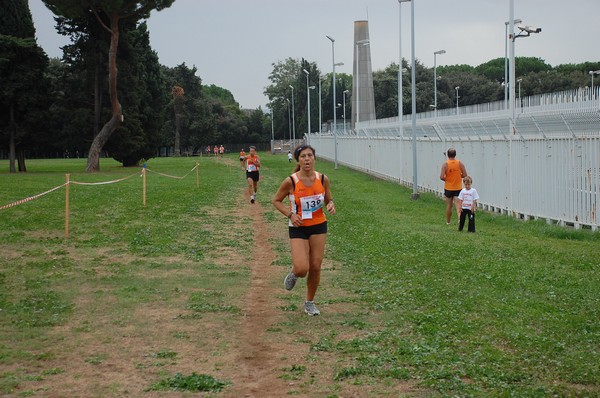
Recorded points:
(305, 71)
(440, 52)
(516, 22)
(330, 38)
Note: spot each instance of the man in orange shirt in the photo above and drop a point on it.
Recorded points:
(453, 171)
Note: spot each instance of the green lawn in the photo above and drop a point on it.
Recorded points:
(512, 310)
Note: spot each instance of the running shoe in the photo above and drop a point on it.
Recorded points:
(252, 198)
(290, 281)
(311, 309)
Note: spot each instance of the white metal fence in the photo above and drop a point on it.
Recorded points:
(549, 169)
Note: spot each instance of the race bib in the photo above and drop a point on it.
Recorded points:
(251, 167)
(310, 204)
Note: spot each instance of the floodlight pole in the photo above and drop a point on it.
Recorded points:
(307, 98)
(344, 101)
(506, 39)
(289, 121)
(440, 52)
(511, 99)
(400, 96)
(334, 128)
(415, 194)
(293, 118)
(320, 103)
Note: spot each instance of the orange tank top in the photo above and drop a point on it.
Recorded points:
(308, 202)
(453, 180)
(251, 166)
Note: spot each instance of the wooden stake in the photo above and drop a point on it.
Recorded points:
(68, 178)
(197, 176)
(144, 186)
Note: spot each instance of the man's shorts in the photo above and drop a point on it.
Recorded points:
(451, 194)
(306, 232)
(242, 158)
(252, 174)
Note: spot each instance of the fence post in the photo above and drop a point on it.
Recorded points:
(67, 177)
(144, 185)
(197, 176)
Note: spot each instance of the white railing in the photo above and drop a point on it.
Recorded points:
(571, 100)
(549, 169)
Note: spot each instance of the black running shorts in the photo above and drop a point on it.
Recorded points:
(306, 232)
(252, 174)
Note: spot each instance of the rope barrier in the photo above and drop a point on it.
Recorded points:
(29, 199)
(170, 176)
(103, 182)
(68, 183)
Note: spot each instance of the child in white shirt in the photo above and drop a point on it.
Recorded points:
(468, 197)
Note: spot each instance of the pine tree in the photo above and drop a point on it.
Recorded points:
(22, 63)
(115, 11)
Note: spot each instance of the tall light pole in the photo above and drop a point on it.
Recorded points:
(320, 103)
(436, 53)
(592, 73)
(344, 101)
(525, 31)
(413, 84)
(289, 121)
(307, 98)
(334, 102)
(272, 132)
(516, 21)
(511, 101)
(519, 81)
(293, 118)
(358, 44)
(456, 88)
(400, 97)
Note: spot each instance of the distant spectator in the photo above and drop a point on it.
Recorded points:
(453, 171)
(468, 197)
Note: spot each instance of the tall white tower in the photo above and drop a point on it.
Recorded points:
(363, 101)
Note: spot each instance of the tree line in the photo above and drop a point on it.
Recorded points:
(478, 84)
(83, 105)
(59, 107)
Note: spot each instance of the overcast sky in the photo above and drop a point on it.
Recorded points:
(234, 43)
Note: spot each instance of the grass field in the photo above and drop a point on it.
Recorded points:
(144, 301)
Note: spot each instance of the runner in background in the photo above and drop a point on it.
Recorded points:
(252, 166)
(242, 158)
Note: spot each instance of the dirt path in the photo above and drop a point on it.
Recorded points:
(123, 337)
(259, 356)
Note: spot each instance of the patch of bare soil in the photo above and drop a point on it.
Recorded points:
(258, 356)
(105, 354)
